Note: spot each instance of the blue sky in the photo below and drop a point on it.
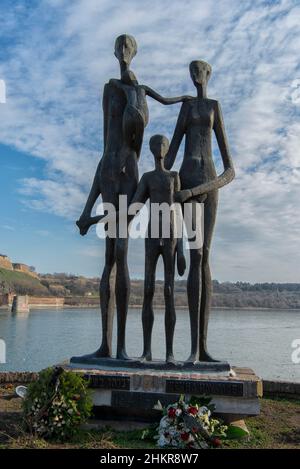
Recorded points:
(55, 57)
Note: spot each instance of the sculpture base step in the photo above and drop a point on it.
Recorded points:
(135, 363)
(131, 394)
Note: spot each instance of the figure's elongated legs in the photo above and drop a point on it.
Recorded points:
(210, 210)
(194, 284)
(181, 264)
(151, 257)
(107, 299)
(127, 187)
(170, 315)
(122, 294)
(194, 299)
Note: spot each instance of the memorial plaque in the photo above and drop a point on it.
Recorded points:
(108, 381)
(217, 388)
(141, 400)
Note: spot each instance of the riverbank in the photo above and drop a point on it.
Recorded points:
(80, 291)
(139, 307)
(277, 426)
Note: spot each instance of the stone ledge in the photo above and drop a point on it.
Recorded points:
(20, 377)
(282, 389)
(132, 393)
(241, 383)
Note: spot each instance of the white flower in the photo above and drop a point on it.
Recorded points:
(162, 441)
(173, 431)
(164, 423)
(203, 444)
(202, 410)
(178, 412)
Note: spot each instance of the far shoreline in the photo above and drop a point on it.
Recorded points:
(178, 308)
(184, 308)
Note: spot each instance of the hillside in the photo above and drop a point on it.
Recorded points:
(21, 283)
(84, 291)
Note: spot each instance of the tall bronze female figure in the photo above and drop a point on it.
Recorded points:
(200, 183)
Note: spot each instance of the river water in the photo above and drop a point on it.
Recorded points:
(259, 339)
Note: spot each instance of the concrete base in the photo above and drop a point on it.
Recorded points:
(131, 394)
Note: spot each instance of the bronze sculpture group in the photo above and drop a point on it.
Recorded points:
(125, 114)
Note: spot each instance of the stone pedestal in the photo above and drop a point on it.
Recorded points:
(20, 304)
(132, 393)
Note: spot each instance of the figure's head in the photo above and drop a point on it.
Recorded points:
(125, 48)
(200, 72)
(159, 146)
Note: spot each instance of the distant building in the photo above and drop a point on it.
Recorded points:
(5, 262)
(25, 269)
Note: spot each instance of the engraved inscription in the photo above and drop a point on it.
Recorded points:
(217, 388)
(108, 382)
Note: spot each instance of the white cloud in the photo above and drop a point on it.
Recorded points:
(8, 227)
(62, 56)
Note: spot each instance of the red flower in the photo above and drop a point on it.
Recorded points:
(192, 410)
(184, 436)
(171, 413)
(216, 442)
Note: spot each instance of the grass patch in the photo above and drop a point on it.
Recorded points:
(21, 283)
(277, 426)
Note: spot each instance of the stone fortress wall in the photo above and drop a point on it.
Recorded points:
(5, 263)
(25, 269)
(7, 299)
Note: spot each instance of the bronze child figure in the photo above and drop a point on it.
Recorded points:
(159, 186)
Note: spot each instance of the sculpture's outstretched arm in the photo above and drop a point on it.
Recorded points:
(141, 195)
(228, 175)
(161, 99)
(179, 132)
(83, 222)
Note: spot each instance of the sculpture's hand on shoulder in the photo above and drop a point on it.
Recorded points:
(183, 196)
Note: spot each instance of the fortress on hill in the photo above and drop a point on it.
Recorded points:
(5, 263)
